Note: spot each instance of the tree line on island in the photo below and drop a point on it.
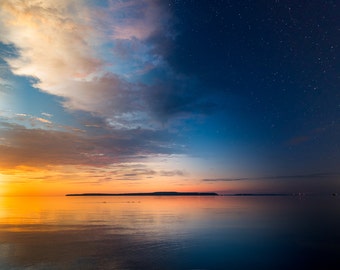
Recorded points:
(159, 193)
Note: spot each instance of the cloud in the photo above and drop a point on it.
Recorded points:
(47, 114)
(172, 173)
(32, 120)
(53, 45)
(133, 19)
(20, 146)
(128, 172)
(101, 58)
(310, 135)
(106, 63)
(86, 54)
(39, 148)
(43, 120)
(4, 85)
(298, 140)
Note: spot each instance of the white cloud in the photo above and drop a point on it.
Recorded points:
(72, 50)
(47, 114)
(53, 43)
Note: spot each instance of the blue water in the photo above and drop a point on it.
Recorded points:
(170, 233)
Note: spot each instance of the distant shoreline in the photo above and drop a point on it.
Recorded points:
(148, 194)
(260, 194)
(173, 193)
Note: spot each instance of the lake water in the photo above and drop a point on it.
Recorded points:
(170, 233)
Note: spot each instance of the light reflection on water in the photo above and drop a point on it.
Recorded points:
(169, 233)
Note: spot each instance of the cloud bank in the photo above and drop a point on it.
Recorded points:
(21, 146)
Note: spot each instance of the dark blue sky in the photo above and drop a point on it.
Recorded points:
(271, 72)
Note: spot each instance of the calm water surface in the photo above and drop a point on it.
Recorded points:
(170, 233)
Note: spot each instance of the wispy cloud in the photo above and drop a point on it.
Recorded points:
(172, 173)
(46, 114)
(5, 84)
(20, 146)
(33, 121)
(310, 135)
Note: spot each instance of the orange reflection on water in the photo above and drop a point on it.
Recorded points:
(129, 211)
(48, 212)
(127, 232)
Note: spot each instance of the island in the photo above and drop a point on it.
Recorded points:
(159, 193)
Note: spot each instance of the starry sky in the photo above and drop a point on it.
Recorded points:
(169, 95)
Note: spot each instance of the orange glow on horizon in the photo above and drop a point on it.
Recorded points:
(61, 180)
(34, 184)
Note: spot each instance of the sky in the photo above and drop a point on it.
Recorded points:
(167, 95)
